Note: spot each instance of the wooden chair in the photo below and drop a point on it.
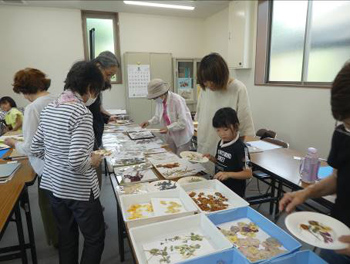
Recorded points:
(269, 196)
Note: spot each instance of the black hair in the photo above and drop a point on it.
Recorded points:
(8, 99)
(83, 75)
(225, 117)
(213, 68)
(340, 94)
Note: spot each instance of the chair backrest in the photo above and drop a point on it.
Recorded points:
(264, 133)
(276, 141)
(261, 132)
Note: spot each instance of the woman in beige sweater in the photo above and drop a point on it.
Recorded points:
(218, 91)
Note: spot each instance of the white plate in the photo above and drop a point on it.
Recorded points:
(294, 220)
(183, 168)
(162, 185)
(194, 156)
(190, 179)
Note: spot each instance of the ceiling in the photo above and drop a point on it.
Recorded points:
(202, 9)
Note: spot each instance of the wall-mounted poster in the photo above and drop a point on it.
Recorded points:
(138, 78)
(184, 88)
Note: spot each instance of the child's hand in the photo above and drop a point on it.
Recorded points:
(222, 175)
(210, 157)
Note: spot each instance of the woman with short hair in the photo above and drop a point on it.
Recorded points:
(33, 84)
(65, 140)
(218, 91)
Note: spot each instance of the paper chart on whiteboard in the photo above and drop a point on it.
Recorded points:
(138, 78)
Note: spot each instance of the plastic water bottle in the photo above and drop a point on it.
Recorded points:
(309, 166)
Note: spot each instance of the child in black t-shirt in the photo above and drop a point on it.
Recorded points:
(232, 154)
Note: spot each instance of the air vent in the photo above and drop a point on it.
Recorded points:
(16, 2)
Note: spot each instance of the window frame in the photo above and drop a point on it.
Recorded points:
(263, 47)
(104, 15)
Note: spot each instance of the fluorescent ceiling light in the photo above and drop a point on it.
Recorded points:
(159, 5)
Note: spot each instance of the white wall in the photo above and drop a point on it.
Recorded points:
(216, 33)
(183, 37)
(51, 40)
(47, 39)
(300, 116)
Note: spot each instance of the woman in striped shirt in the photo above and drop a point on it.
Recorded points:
(65, 140)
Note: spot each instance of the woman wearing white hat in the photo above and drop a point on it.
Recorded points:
(173, 115)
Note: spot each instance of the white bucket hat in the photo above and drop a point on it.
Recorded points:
(156, 88)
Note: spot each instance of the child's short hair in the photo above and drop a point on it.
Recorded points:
(8, 99)
(340, 94)
(225, 117)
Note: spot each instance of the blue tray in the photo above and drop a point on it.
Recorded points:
(3, 152)
(304, 257)
(265, 224)
(229, 256)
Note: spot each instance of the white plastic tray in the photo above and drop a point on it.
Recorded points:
(159, 231)
(127, 200)
(234, 200)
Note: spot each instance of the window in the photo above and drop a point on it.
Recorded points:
(302, 42)
(105, 27)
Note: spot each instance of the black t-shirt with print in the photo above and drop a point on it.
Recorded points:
(339, 158)
(231, 157)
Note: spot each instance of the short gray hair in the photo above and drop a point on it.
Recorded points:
(107, 59)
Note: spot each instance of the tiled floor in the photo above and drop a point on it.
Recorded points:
(49, 255)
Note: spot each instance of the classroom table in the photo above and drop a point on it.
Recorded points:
(13, 196)
(284, 168)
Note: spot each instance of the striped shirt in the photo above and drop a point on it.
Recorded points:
(65, 140)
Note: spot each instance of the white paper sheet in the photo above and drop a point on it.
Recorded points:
(262, 145)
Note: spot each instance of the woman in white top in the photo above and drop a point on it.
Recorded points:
(173, 115)
(218, 91)
(33, 84)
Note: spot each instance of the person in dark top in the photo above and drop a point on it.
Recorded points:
(231, 159)
(108, 63)
(339, 158)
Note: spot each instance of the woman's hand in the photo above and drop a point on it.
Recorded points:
(10, 142)
(144, 124)
(346, 251)
(292, 199)
(112, 118)
(163, 130)
(222, 175)
(95, 160)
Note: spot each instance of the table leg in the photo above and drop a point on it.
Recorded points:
(25, 199)
(106, 167)
(20, 234)
(273, 182)
(278, 197)
(120, 234)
